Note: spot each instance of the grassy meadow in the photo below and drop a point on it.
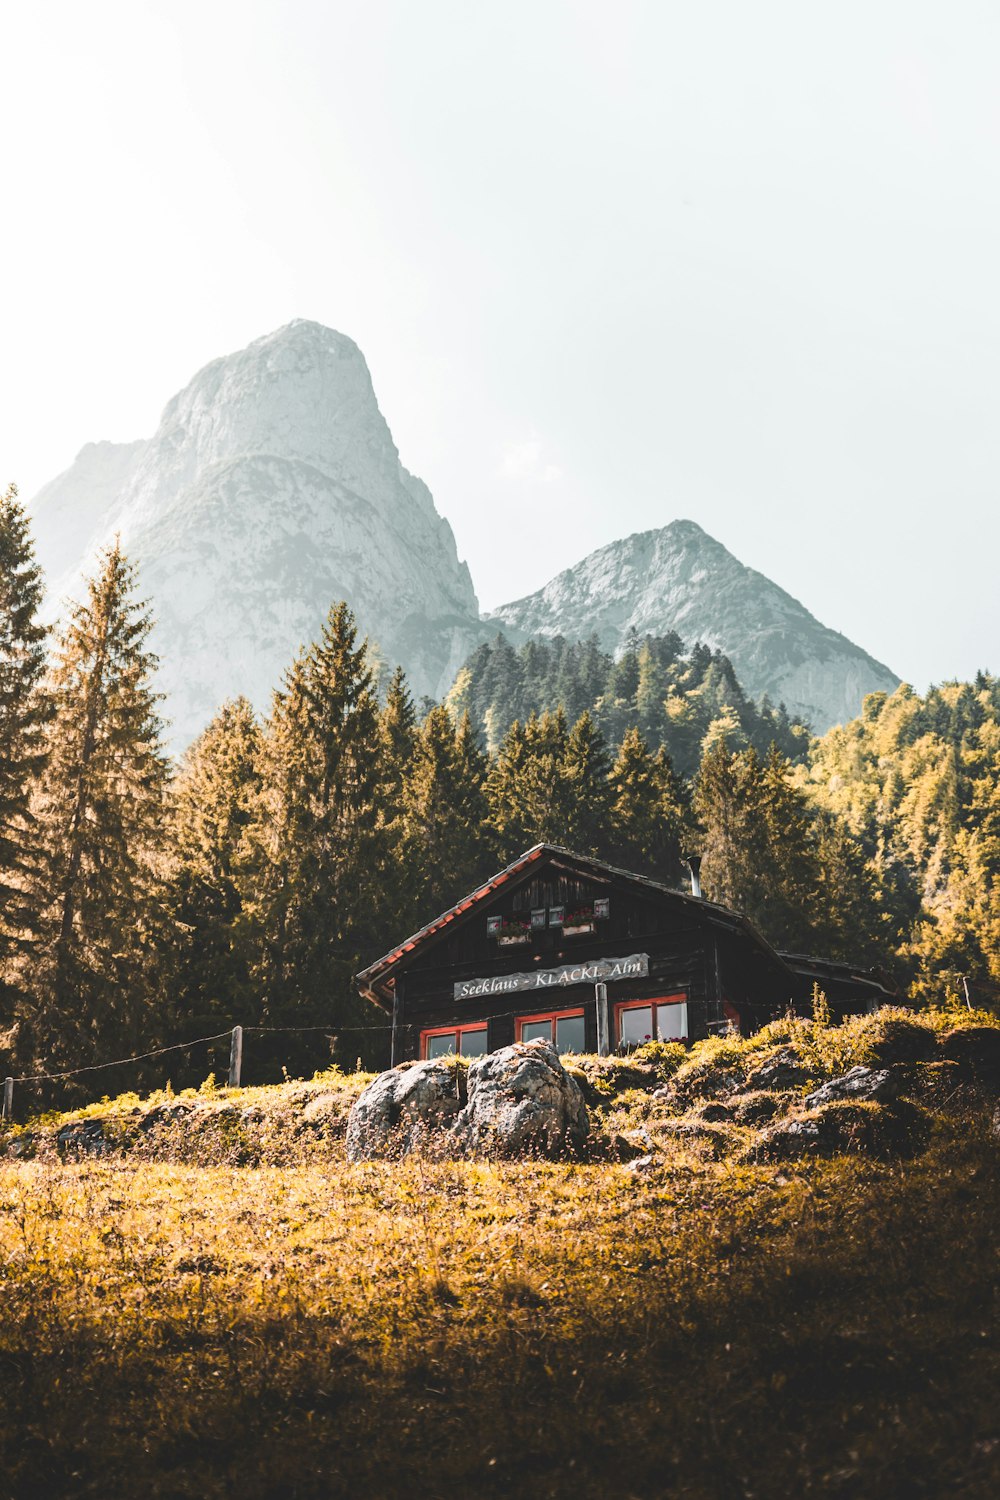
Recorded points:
(189, 1314)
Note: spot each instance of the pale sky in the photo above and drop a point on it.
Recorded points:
(610, 265)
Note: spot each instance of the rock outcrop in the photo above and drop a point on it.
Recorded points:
(517, 1101)
(405, 1109)
(271, 489)
(522, 1102)
(857, 1083)
(679, 578)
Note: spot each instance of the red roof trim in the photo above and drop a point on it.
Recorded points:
(502, 878)
(376, 974)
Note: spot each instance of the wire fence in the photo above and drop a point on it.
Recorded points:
(235, 1036)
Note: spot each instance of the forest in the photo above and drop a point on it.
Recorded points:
(144, 902)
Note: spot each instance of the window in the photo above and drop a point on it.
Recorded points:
(662, 1018)
(470, 1041)
(565, 1029)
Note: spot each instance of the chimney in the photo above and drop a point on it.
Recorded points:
(693, 862)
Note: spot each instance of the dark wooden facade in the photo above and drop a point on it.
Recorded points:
(698, 952)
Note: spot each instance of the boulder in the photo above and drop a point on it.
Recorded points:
(83, 1138)
(858, 1084)
(783, 1070)
(522, 1102)
(868, 1126)
(405, 1108)
(758, 1108)
(711, 1138)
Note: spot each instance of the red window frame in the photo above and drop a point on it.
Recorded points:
(547, 1015)
(647, 1002)
(456, 1031)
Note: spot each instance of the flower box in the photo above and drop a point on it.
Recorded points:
(511, 939)
(575, 929)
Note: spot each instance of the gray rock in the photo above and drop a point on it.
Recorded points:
(693, 1132)
(271, 488)
(859, 1083)
(83, 1138)
(788, 1138)
(785, 1070)
(522, 1102)
(405, 1108)
(519, 1101)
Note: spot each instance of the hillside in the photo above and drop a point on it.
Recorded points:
(716, 1319)
(270, 489)
(680, 579)
(678, 697)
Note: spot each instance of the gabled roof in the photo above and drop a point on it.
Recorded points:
(374, 981)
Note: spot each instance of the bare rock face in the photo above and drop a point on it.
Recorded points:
(405, 1109)
(679, 578)
(271, 489)
(522, 1102)
(519, 1101)
(858, 1083)
(786, 1069)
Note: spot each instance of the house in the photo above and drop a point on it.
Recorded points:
(593, 958)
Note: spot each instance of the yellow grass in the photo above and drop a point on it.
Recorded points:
(307, 1328)
(438, 1329)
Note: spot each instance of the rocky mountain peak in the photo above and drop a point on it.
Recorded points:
(270, 489)
(680, 578)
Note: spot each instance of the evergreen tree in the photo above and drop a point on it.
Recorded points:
(101, 807)
(529, 795)
(24, 709)
(398, 738)
(756, 842)
(213, 804)
(647, 812)
(586, 799)
(320, 881)
(448, 839)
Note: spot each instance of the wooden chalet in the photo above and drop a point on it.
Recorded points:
(593, 958)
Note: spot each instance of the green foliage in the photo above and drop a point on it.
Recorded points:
(673, 697)
(93, 976)
(320, 848)
(916, 781)
(24, 710)
(214, 801)
(448, 844)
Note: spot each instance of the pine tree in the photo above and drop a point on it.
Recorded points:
(318, 884)
(448, 847)
(529, 795)
(647, 811)
(758, 845)
(398, 738)
(101, 808)
(213, 804)
(24, 708)
(587, 799)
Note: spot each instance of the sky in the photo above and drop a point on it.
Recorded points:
(610, 265)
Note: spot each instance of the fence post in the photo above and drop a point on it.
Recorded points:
(236, 1057)
(8, 1098)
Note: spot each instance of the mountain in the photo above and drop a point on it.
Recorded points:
(679, 578)
(271, 488)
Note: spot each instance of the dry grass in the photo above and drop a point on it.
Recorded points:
(704, 1328)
